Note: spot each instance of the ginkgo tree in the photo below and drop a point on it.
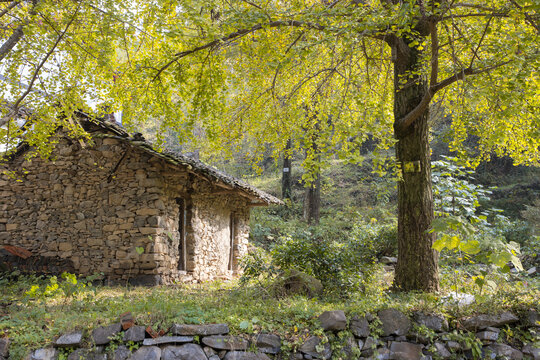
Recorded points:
(266, 71)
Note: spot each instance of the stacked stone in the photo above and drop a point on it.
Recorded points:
(93, 206)
(388, 335)
(396, 339)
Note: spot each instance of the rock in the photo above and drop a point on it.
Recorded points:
(167, 340)
(127, 321)
(531, 351)
(369, 346)
(483, 321)
(72, 339)
(240, 355)
(434, 322)
(294, 282)
(135, 334)
(268, 343)
(442, 351)
(453, 346)
(382, 354)
(351, 348)
(147, 353)
(532, 318)
(309, 347)
(333, 320)
(121, 353)
(44, 354)
(183, 352)
(103, 334)
(200, 330)
(459, 299)
(405, 351)
(359, 326)
(394, 322)
(4, 347)
(214, 357)
(505, 351)
(487, 336)
(389, 260)
(532, 271)
(209, 351)
(86, 354)
(225, 342)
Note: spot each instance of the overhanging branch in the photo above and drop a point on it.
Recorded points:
(236, 35)
(403, 123)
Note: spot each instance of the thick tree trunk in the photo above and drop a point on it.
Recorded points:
(417, 267)
(286, 176)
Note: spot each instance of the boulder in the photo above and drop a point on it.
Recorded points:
(293, 282)
(167, 340)
(531, 351)
(121, 353)
(532, 318)
(135, 334)
(103, 334)
(405, 351)
(86, 354)
(268, 343)
(72, 339)
(504, 350)
(240, 355)
(309, 347)
(183, 352)
(200, 330)
(146, 353)
(225, 342)
(359, 326)
(394, 322)
(434, 322)
(389, 260)
(333, 320)
(44, 354)
(442, 351)
(4, 347)
(487, 336)
(485, 320)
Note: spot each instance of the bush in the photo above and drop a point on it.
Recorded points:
(374, 240)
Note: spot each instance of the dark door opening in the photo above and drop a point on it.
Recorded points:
(182, 222)
(232, 228)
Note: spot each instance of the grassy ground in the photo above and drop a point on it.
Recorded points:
(34, 319)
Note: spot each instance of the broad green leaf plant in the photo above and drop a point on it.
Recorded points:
(462, 228)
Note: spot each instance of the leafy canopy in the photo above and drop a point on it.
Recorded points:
(257, 72)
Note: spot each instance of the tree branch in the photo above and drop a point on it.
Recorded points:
(403, 123)
(236, 35)
(9, 7)
(11, 42)
(15, 107)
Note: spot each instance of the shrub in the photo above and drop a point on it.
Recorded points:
(374, 240)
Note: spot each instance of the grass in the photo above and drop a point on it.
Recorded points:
(31, 323)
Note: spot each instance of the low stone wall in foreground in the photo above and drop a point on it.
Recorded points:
(387, 335)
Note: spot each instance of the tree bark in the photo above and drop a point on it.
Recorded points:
(286, 175)
(312, 201)
(417, 267)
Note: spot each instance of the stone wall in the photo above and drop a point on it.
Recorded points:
(95, 204)
(388, 334)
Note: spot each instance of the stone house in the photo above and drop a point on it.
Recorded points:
(114, 205)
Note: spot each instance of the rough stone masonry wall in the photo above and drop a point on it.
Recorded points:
(94, 210)
(388, 334)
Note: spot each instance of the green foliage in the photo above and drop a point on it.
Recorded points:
(69, 287)
(460, 228)
(374, 240)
